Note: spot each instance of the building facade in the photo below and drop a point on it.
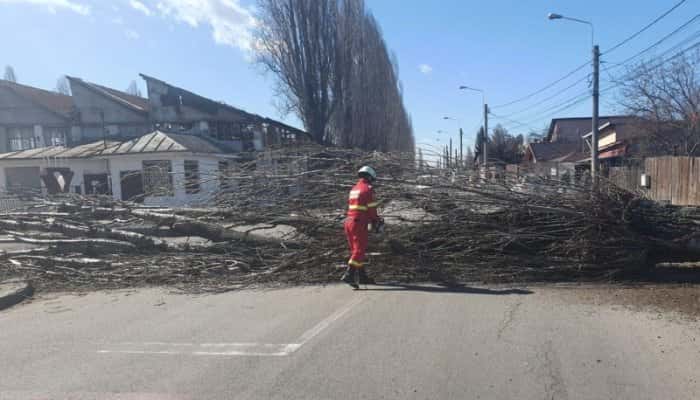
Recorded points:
(32, 117)
(160, 169)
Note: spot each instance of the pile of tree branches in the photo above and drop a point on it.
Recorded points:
(283, 225)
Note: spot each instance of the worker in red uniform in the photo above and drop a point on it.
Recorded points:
(362, 211)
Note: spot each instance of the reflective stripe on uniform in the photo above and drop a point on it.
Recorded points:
(355, 263)
(374, 204)
(357, 207)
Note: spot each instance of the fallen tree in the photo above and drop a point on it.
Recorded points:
(441, 225)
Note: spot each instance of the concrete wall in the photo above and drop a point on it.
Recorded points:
(119, 120)
(208, 173)
(18, 112)
(80, 167)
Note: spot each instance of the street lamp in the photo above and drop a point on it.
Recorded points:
(596, 93)
(553, 16)
(485, 138)
(461, 134)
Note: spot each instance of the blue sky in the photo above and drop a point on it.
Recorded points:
(506, 47)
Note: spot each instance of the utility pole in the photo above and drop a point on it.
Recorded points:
(486, 134)
(594, 131)
(450, 153)
(444, 154)
(596, 94)
(461, 148)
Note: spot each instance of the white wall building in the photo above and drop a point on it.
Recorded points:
(159, 168)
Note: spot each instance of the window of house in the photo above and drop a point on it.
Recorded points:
(191, 176)
(21, 138)
(158, 178)
(56, 136)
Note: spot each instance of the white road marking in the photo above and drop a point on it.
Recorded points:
(251, 349)
(313, 332)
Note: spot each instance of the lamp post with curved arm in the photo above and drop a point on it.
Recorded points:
(596, 93)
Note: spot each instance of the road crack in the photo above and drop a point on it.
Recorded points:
(554, 386)
(508, 319)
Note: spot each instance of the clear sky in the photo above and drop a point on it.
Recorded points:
(506, 47)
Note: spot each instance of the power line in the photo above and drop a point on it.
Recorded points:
(560, 92)
(622, 43)
(658, 42)
(574, 101)
(512, 121)
(535, 93)
(649, 25)
(660, 63)
(561, 107)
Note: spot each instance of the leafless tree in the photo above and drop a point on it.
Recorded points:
(133, 89)
(335, 72)
(297, 43)
(10, 74)
(666, 97)
(62, 86)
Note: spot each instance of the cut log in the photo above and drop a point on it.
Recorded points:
(193, 227)
(23, 252)
(49, 261)
(105, 244)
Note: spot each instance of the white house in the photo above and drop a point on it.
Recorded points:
(159, 168)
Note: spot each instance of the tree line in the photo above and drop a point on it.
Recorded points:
(334, 71)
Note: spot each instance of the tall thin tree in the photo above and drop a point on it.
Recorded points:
(10, 74)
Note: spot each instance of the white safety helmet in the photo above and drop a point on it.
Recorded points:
(369, 171)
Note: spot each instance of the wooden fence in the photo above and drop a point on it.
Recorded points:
(674, 179)
(627, 177)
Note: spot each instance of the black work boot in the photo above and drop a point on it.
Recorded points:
(364, 278)
(349, 277)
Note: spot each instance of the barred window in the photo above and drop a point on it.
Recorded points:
(191, 176)
(158, 178)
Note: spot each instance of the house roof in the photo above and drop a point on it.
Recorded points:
(57, 103)
(155, 142)
(557, 151)
(629, 128)
(82, 151)
(571, 129)
(162, 142)
(183, 96)
(136, 103)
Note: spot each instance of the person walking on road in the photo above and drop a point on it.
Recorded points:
(362, 211)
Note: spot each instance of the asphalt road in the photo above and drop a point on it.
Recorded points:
(334, 343)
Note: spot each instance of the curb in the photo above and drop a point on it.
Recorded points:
(16, 293)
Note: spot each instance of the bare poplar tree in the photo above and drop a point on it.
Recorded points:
(297, 43)
(666, 97)
(10, 74)
(62, 86)
(335, 72)
(133, 89)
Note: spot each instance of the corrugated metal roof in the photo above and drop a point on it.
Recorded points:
(553, 151)
(160, 142)
(155, 142)
(82, 151)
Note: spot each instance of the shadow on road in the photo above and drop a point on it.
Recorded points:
(391, 287)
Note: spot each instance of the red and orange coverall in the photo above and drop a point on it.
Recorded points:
(362, 210)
